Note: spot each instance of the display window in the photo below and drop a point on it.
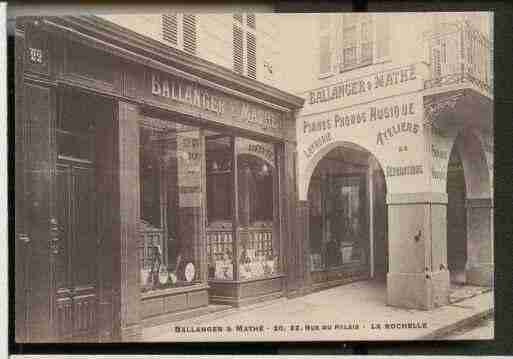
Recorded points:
(207, 203)
(171, 169)
(254, 253)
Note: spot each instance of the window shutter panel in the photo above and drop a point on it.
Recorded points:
(251, 56)
(238, 17)
(251, 21)
(436, 65)
(324, 44)
(325, 54)
(189, 33)
(170, 28)
(382, 37)
(238, 47)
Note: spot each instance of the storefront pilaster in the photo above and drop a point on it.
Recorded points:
(293, 258)
(125, 246)
(302, 236)
(39, 241)
(479, 267)
(418, 276)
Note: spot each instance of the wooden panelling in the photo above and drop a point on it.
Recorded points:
(92, 68)
(175, 303)
(37, 54)
(39, 181)
(197, 299)
(260, 287)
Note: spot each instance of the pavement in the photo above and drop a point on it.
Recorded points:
(350, 312)
(484, 328)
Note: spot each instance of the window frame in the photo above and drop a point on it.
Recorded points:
(326, 32)
(338, 43)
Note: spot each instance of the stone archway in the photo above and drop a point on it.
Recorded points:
(471, 150)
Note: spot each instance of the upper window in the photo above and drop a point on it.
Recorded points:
(245, 45)
(180, 31)
(352, 40)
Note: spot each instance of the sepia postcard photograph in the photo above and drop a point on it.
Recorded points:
(253, 177)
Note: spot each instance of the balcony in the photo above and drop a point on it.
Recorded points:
(459, 55)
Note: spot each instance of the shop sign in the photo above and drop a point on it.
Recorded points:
(350, 88)
(397, 118)
(263, 150)
(189, 168)
(368, 88)
(213, 103)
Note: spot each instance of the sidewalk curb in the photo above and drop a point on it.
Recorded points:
(442, 333)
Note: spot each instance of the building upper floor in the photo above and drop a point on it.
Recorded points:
(247, 43)
(450, 48)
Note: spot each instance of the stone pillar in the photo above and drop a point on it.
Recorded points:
(418, 276)
(479, 267)
(303, 236)
(126, 236)
(293, 253)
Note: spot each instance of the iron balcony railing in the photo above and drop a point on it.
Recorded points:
(459, 53)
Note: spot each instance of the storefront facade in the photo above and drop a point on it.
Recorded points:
(396, 96)
(151, 185)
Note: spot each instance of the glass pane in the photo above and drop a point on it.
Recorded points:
(258, 242)
(171, 159)
(343, 221)
(219, 155)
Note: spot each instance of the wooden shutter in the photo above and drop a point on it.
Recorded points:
(251, 55)
(436, 62)
(189, 33)
(382, 37)
(251, 21)
(324, 45)
(238, 49)
(170, 28)
(238, 18)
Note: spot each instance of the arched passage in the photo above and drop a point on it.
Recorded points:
(347, 232)
(469, 212)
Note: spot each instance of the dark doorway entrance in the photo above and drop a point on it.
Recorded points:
(456, 219)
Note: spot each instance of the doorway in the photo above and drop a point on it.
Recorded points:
(76, 259)
(456, 219)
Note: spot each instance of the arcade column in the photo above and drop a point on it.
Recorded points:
(418, 276)
(479, 267)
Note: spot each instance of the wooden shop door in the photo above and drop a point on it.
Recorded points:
(75, 269)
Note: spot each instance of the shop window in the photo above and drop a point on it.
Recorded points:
(245, 45)
(254, 253)
(180, 30)
(171, 205)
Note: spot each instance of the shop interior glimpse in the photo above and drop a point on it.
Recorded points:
(188, 217)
